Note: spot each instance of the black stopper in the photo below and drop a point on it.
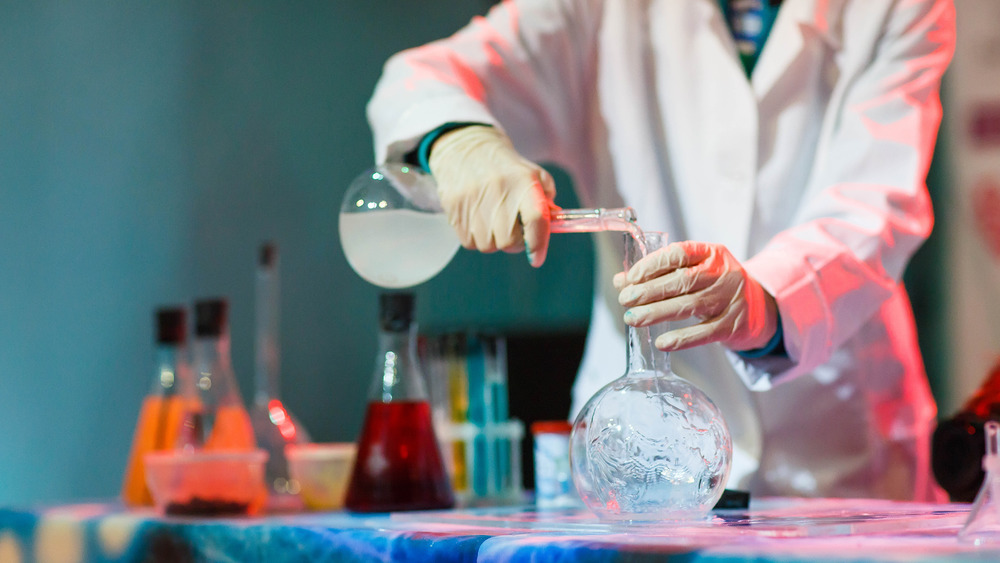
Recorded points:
(957, 449)
(171, 325)
(395, 311)
(268, 254)
(211, 317)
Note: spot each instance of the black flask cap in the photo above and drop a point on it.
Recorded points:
(211, 317)
(171, 325)
(396, 311)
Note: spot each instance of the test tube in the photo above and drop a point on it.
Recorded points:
(593, 220)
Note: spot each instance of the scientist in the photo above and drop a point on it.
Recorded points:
(782, 145)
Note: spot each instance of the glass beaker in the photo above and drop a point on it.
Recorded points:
(274, 426)
(398, 464)
(395, 234)
(649, 446)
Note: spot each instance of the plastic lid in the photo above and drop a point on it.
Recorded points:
(396, 311)
(211, 317)
(551, 427)
(171, 325)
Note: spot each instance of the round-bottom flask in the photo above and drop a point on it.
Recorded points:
(649, 446)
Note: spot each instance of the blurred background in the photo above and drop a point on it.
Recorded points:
(148, 149)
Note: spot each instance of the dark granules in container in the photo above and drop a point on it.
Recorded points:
(198, 506)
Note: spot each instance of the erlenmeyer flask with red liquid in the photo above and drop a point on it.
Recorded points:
(398, 464)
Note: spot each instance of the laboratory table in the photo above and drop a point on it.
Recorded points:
(773, 529)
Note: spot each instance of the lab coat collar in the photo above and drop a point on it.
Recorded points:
(801, 26)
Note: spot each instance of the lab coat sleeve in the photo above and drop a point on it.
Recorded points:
(516, 68)
(866, 208)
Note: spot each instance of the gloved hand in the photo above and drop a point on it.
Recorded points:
(494, 198)
(697, 279)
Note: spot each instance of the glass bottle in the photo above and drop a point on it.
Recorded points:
(649, 446)
(161, 414)
(274, 426)
(219, 421)
(958, 444)
(398, 465)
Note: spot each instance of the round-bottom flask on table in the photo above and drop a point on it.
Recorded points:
(649, 446)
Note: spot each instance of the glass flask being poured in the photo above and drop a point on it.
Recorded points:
(392, 228)
(219, 420)
(649, 446)
(983, 525)
(395, 234)
(398, 465)
(274, 426)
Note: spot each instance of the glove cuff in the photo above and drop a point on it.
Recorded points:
(423, 150)
(774, 347)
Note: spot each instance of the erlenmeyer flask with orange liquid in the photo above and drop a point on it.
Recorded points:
(398, 464)
(161, 414)
(219, 420)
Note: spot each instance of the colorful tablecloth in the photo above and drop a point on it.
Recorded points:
(784, 530)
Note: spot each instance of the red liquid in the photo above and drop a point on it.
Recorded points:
(398, 465)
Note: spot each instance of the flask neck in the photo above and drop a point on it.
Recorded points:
(644, 358)
(267, 370)
(397, 374)
(213, 377)
(169, 362)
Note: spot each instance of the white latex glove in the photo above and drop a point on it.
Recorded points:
(494, 198)
(702, 280)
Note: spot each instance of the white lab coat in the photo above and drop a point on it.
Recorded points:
(812, 174)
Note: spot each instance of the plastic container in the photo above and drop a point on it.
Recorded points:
(553, 479)
(322, 472)
(207, 483)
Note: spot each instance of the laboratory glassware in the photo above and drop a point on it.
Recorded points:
(161, 414)
(649, 446)
(983, 525)
(219, 421)
(395, 234)
(392, 229)
(958, 444)
(274, 426)
(398, 465)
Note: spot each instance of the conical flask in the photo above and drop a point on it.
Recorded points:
(395, 234)
(649, 446)
(162, 413)
(983, 524)
(398, 464)
(219, 420)
(274, 426)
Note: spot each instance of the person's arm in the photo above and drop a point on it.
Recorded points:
(517, 71)
(867, 208)
(515, 68)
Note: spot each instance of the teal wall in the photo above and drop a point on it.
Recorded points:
(146, 149)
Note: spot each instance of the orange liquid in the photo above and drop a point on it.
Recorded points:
(231, 430)
(159, 422)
